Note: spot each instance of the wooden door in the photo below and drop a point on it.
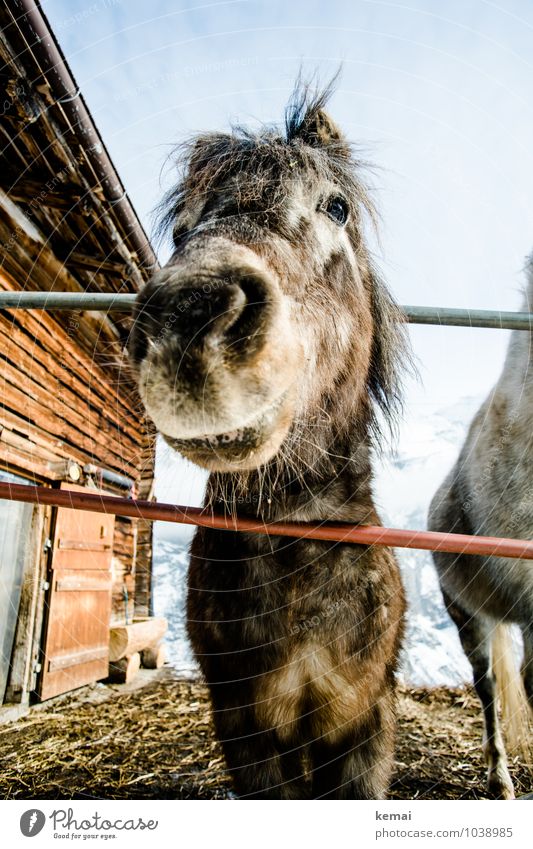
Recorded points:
(76, 636)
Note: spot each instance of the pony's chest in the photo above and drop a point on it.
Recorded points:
(314, 693)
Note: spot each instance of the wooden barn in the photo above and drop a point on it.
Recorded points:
(69, 414)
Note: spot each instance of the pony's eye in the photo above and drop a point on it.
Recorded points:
(178, 235)
(337, 209)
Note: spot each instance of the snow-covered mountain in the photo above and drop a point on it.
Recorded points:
(405, 482)
(170, 567)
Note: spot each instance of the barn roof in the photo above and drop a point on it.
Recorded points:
(56, 170)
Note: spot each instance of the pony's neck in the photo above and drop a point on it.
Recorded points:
(527, 304)
(515, 383)
(314, 477)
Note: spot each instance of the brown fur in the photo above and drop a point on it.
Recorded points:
(271, 379)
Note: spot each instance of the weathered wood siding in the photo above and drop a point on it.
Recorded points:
(65, 395)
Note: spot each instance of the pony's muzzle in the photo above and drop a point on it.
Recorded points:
(231, 310)
(217, 363)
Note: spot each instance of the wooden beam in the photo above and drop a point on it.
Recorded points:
(92, 263)
(124, 640)
(154, 657)
(26, 191)
(124, 670)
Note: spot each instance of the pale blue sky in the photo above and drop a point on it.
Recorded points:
(439, 95)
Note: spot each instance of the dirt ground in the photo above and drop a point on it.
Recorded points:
(157, 741)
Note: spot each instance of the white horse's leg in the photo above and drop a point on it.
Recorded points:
(475, 633)
(527, 668)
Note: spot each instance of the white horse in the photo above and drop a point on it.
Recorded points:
(488, 491)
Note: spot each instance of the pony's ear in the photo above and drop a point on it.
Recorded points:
(319, 130)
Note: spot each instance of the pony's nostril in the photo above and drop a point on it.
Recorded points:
(226, 306)
(221, 310)
(206, 311)
(255, 314)
(231, 310)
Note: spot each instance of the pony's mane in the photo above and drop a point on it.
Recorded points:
(305, 102)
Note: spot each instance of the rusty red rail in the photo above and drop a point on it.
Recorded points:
(335, 532)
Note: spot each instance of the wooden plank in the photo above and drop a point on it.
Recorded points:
(143, 569)
(75, 259)
(60, 343)
(84, 545)
(95, 448)
(126, 540)
(83, 237)
(79, 582)
(24, 351)
(23, 462)
(25, 444)
(76, 424)
(25, 190)
(26, 642)
(93, 532)
(77, 658)
(81, 334)
(48, 442)
(36, 441)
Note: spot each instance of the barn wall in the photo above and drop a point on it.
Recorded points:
(66, 395)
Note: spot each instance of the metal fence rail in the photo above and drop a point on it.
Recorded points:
(66, 301)
(445, 316)
(357, 535)
(329, 531)
(469, 318)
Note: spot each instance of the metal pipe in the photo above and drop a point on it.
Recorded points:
(66, 301)
(332, 532)
(125, 303)
(452, 317)
(30, 19)
(108, 476)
